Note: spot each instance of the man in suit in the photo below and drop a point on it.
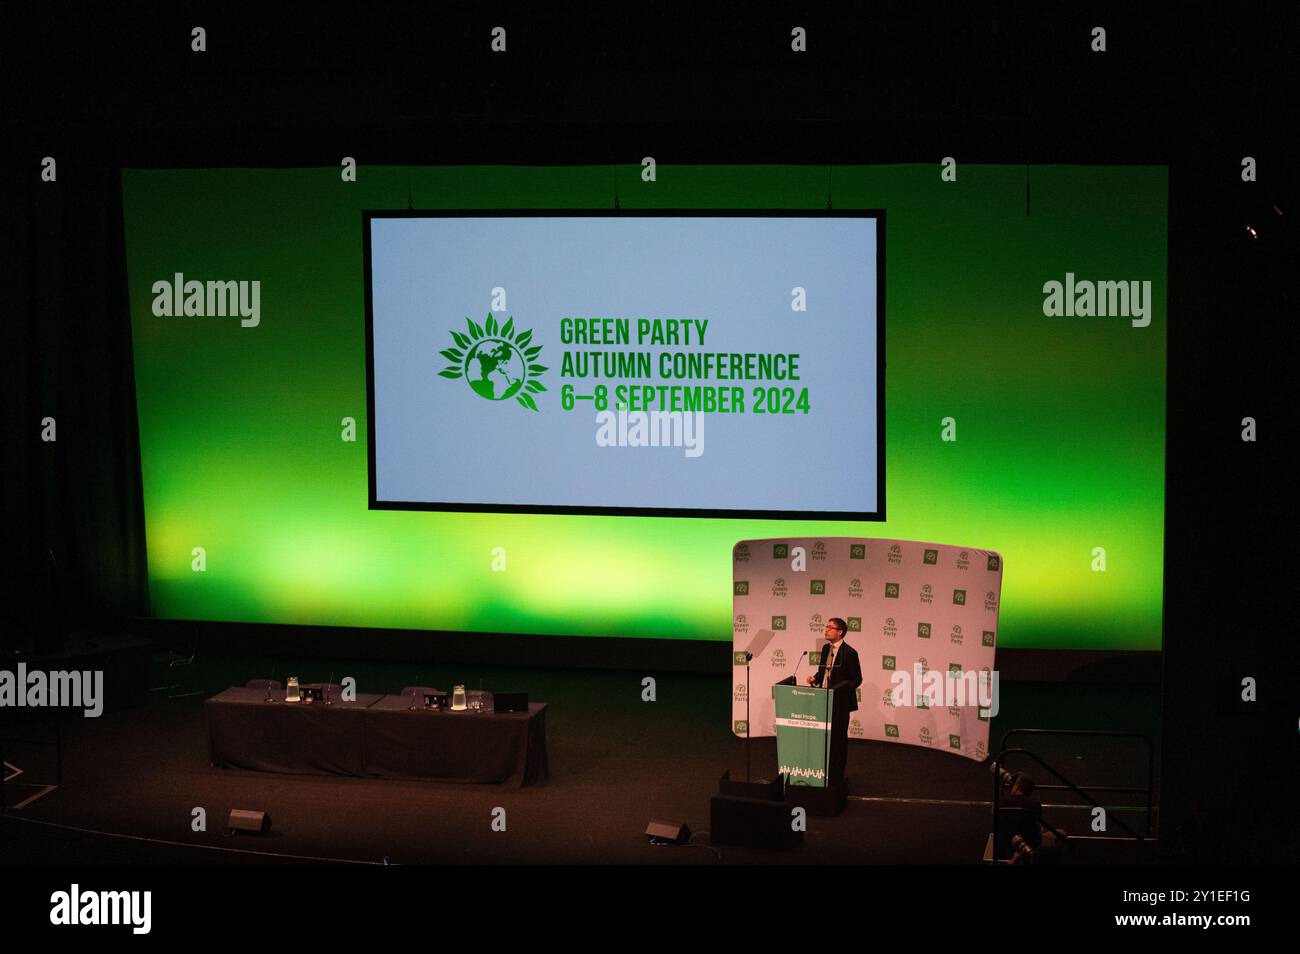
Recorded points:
(840, 660)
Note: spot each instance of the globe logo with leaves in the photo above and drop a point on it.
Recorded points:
(496, 361)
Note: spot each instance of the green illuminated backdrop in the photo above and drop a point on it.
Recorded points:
(1060, 421)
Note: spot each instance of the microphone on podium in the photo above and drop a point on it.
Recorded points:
(793, 679)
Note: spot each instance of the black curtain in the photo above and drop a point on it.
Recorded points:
(1228, 783)
(74, 549)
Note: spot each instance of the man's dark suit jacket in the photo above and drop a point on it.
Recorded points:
(847, 674)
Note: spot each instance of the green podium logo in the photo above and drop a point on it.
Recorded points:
(497, 363)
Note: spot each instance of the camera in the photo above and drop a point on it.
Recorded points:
(1006, 779)
(1024, 853)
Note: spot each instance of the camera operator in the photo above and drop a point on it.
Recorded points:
(1034, 841)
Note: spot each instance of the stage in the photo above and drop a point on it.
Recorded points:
(133, 777)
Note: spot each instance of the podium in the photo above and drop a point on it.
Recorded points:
(803, 732)
(805, 722)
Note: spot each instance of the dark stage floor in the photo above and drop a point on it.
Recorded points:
(615, 762)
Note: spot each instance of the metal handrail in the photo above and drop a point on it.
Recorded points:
(1103, 733)
(997, 792)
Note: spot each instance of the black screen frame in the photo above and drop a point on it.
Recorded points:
(877, 515)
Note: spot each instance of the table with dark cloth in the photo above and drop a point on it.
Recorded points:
(376, 736)
(247, 732)
(503, 747)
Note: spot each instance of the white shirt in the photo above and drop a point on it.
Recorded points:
(831, 653)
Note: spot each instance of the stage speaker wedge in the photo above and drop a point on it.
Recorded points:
(676, 833)
(257, 823)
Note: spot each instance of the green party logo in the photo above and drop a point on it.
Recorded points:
(994, 562)
(855, 624)
(954, 741)
(958, 597)
(778, 622)
(986, 639)
(740, 659)
(496, 362)
(741, 588)
(817, 587)
(922, 630)
(780, 551)
(740, 727)
(891, 591)
(891, 731)
(857, 551)
(888, 662)
(931, 557)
